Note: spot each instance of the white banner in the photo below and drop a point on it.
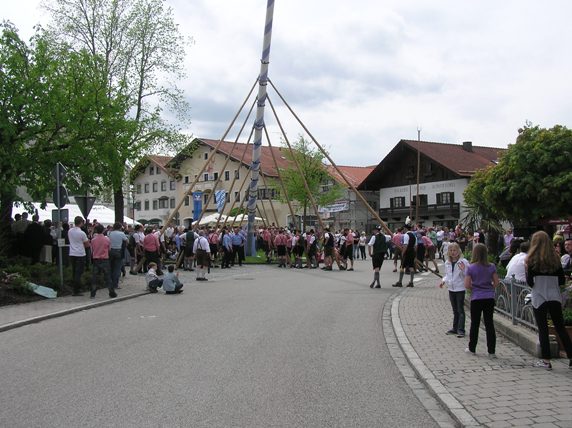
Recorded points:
(335, 208)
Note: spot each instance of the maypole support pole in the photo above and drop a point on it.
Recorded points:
(258, 126)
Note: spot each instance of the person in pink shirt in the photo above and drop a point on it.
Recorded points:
(100, 246)
(151, 246)
(430, 250)
(280, 243)
(213, 238)
(397, 240)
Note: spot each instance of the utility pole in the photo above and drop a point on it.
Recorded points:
(418, 168)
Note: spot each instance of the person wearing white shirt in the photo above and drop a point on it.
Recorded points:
(516, 265)
(202, 251)
(455, 268)
(78, 243)
(566, 259)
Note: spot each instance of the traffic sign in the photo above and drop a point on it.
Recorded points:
(60, 196)
(85, 204)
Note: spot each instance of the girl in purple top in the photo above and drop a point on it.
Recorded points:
(481, 278)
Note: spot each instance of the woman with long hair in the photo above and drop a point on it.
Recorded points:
(545, 275)
(482, 279)
(454, 279)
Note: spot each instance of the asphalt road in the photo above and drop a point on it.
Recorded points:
(263, 347)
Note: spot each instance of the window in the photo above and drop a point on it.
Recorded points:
(267, 193)
(206, 156)
(206, 176)
(187, 200)
(146, 205)
(215, 176)
(226, 175)
(172, 203)
(155, 204)
(186, 181)
(157, 170)
(146, 187)
(155, 186)
(137, 206)
(428, 170)
(138, 189)
(445, 198)
(172, 184)
(164, 202)
(397, 202)
(422, 200)
(227, 197)
(151, 170)
(163, 186)
(236, 174)
(237, 196)
(205, 198)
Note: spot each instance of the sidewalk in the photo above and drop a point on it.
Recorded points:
(478, 391)
(13, 316)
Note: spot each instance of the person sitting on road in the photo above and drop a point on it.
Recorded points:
(171, 282)
(152, 279)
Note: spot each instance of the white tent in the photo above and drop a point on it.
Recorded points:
(240, 218)
(211, 219)
(100, 213)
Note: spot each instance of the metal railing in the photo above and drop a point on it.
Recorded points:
(512, 298)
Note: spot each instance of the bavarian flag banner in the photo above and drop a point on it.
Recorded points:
(197, 204)
(220, 197)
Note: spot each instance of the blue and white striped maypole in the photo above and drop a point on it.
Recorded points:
(258, 126)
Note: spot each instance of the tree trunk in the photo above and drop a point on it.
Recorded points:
(304, 217)
(493, 243)
(6, 238)
(119, 204)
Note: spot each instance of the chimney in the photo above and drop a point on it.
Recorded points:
(468, 146)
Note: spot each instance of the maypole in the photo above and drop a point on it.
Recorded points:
(258, 126)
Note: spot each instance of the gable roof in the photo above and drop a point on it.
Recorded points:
(266, 161)
(354, 174)
(161, 161)
(463, 160)
(456, 157)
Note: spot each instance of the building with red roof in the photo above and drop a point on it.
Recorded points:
(444, 173)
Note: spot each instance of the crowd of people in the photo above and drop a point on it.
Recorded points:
(542, 262)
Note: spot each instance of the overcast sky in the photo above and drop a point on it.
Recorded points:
(362, 75)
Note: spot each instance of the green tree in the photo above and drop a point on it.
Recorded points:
(479, 213)
(49, 112)
(142, 56)
(533, 180)
(312, 168)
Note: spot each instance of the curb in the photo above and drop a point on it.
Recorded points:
(447, 400)
(17, 324)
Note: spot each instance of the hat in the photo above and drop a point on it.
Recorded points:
(378, 227)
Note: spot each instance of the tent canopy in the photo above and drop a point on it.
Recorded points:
(211, 219)
(100, 213)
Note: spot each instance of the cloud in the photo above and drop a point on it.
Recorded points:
(363, 75)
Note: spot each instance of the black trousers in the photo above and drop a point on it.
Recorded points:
(457, 299)
(553, 308)
(486, 307)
